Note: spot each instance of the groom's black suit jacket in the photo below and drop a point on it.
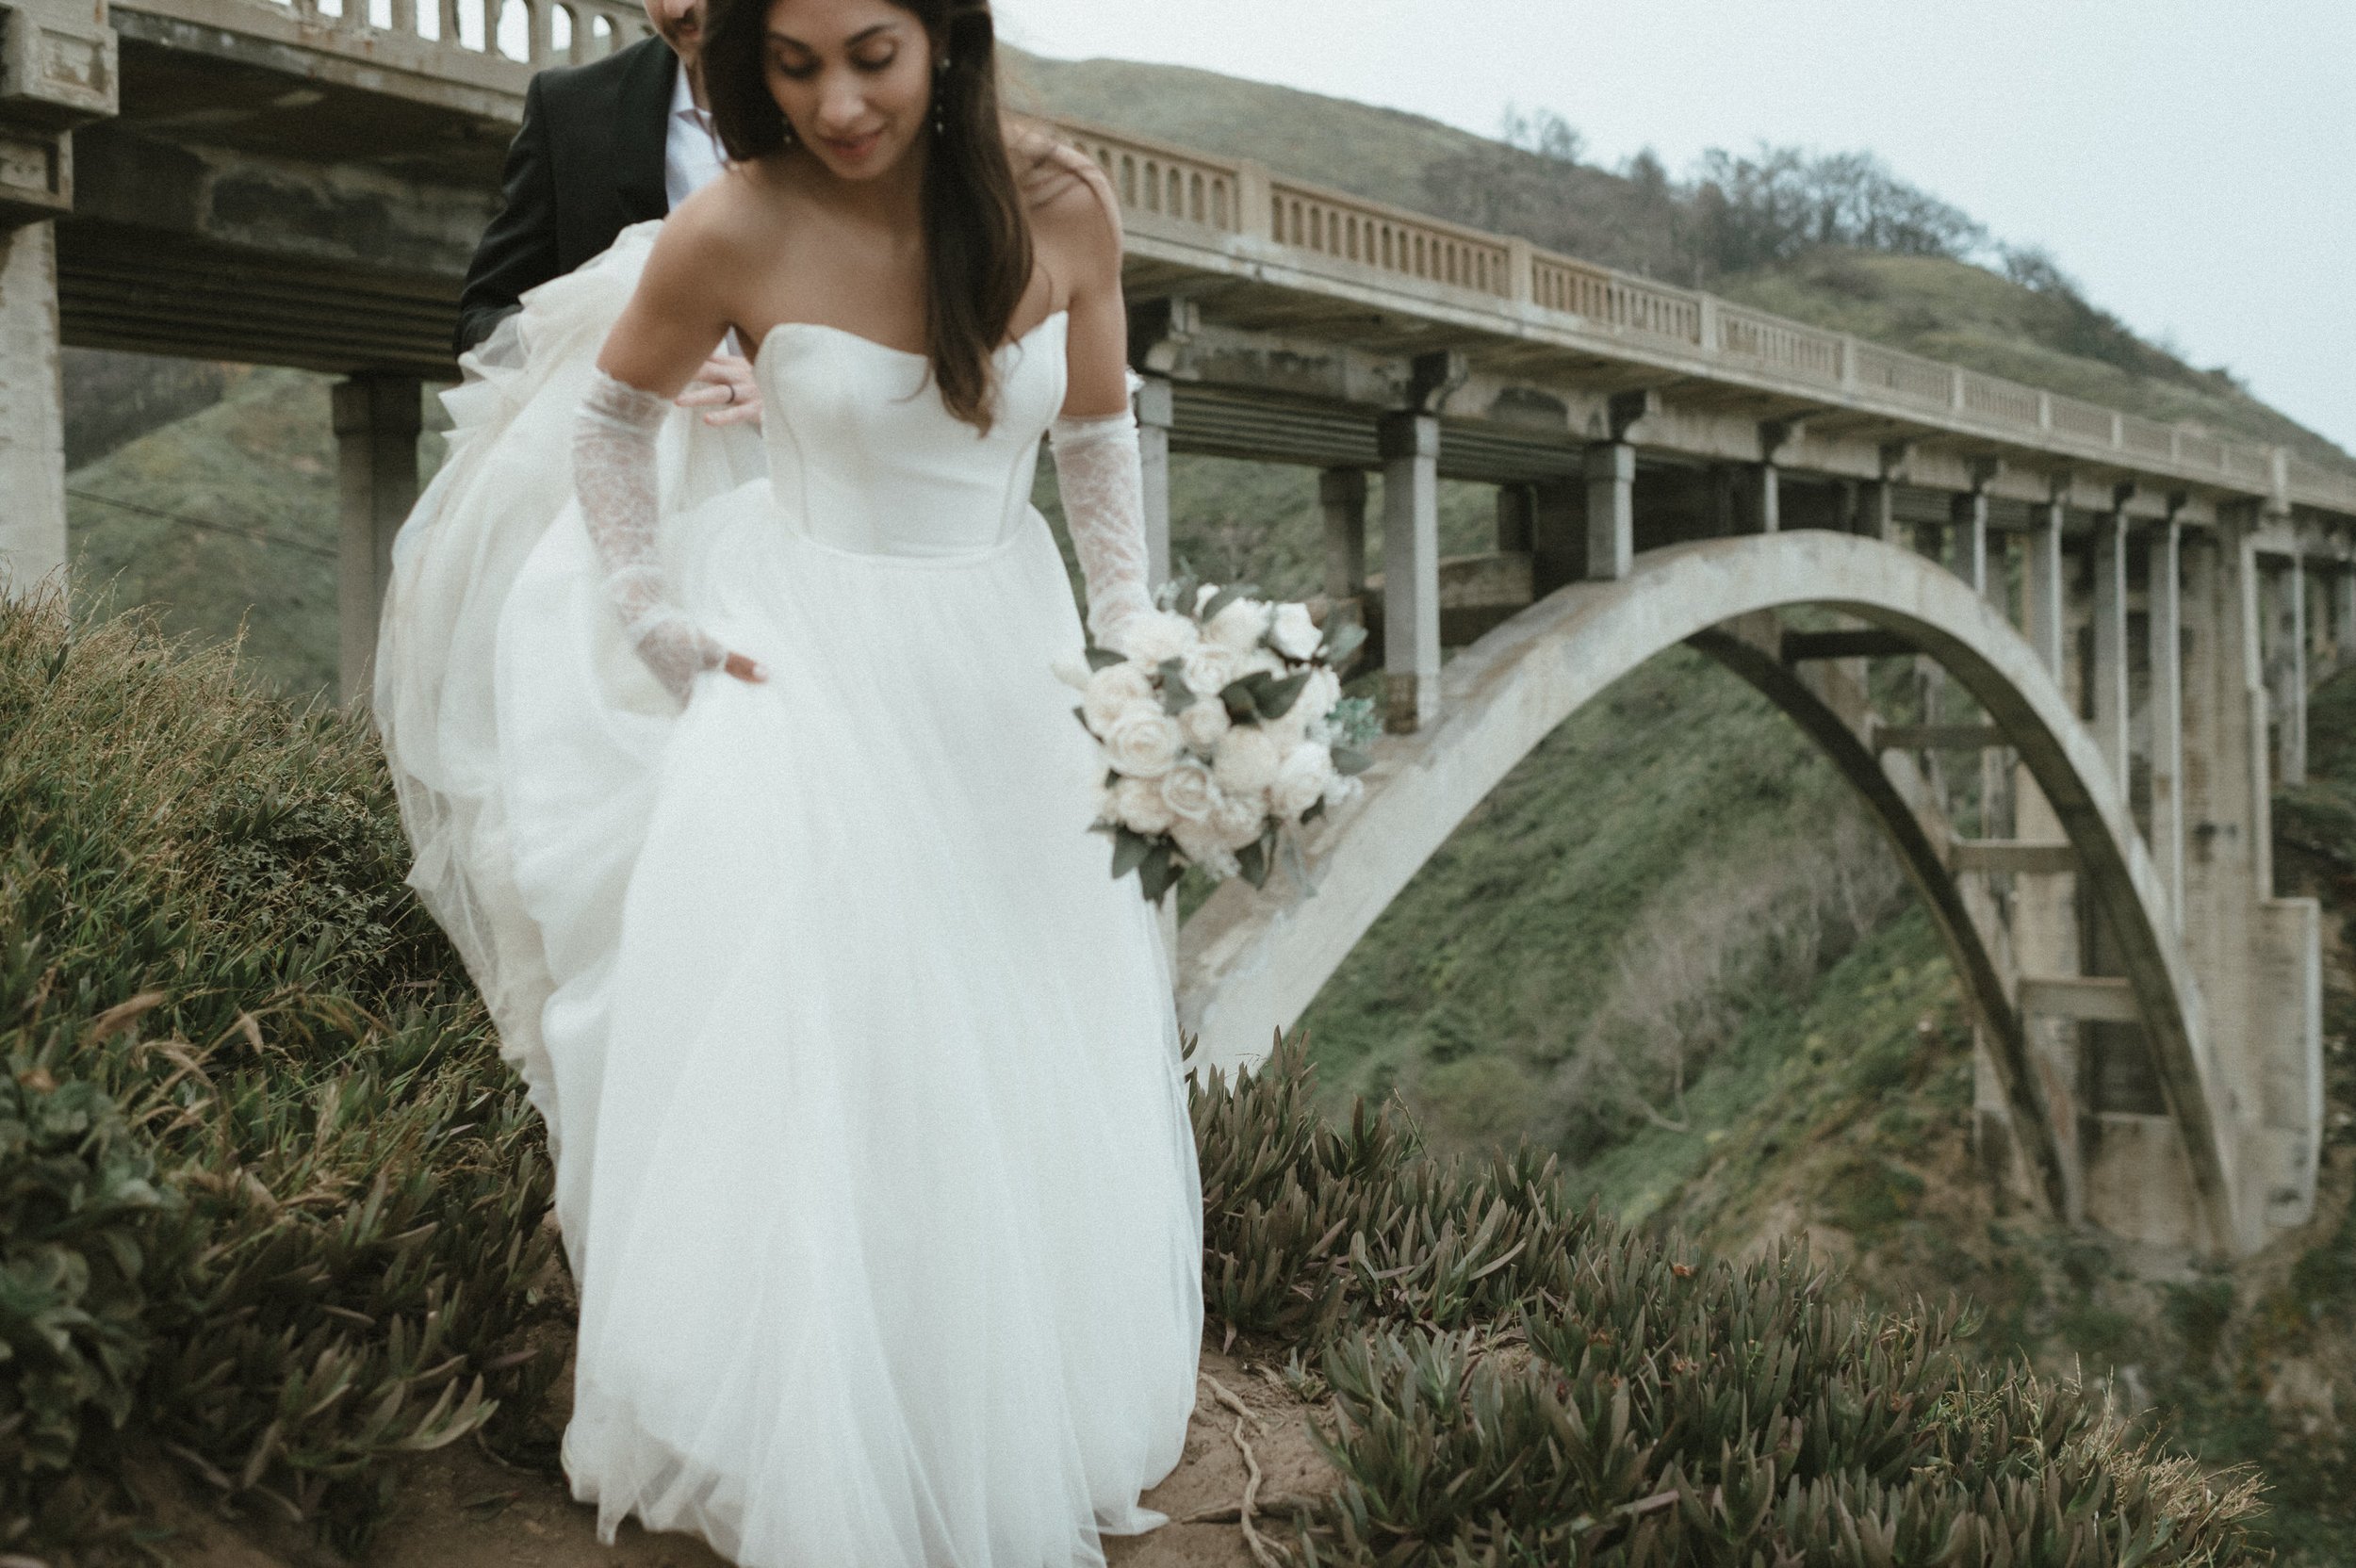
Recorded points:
(586, 164)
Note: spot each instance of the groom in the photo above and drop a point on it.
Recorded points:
(602, 146)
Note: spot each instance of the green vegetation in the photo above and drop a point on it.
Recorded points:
(272, 1204)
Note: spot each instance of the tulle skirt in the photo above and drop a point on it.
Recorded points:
(874, 1161)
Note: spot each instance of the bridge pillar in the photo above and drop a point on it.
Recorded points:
(2286, 666)
(1156, 413)
(1342, 496)
(1769, 498)
(377, 419)
(2344, 615)
(32, 405)
(1966, 539)
(2109, 672)
(2041, 597)
(1611, 510)
(1409, 443)
(2166, 658)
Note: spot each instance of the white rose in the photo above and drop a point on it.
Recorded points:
(1162, 634)
(1259, 661)
(1237, 628)
(1318, 697)
(1136, 804)
(1293, 633)
(1247, 760)
(1301, 782)
(1203, 723)
(1142, 742)
(1187, 791)
(1207, 668)
(1341, 791)
(1238, 821)
(1111, 692)
(1200, 843)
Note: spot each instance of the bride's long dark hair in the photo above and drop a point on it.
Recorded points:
(977, 230)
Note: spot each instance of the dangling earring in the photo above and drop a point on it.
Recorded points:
(941, 93)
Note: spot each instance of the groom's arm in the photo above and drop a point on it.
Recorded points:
(518, 249)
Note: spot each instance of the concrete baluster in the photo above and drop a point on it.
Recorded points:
(1611, 510)
(376, 439)
(32, 404)
(2166, 620)
(1157, 413)
(1409, 443)
(2110, 672)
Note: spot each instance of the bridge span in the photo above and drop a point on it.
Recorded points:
(2109, 626)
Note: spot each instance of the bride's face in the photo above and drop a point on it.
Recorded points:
(854, 78)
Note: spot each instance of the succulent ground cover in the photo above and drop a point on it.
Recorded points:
(272, 1215)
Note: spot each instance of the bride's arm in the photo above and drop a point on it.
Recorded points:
(662, 340)
(1095, 441)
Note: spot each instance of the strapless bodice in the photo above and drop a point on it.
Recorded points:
(865, 457)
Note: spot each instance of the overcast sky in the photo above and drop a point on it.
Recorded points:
(2191, 162)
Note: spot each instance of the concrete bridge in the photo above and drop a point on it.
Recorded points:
(2095, 632)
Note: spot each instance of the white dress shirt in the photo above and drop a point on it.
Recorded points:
(691, 151)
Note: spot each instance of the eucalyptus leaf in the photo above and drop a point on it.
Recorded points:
(1316, 810)
(1104, 659)
(1252, 863)
(1349, 761)
(1226, 597)
(1236, 694)
(1177, 697)
(1159, 873)
(1340, 644)
(1278, 697)
(1131, 849)
(1082, 714)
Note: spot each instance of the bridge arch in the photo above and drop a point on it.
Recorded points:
(1249, 963)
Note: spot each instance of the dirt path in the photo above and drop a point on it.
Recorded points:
(461, 1508)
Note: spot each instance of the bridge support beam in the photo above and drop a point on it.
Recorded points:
(1968, 539)
(32, 411)
(1157, 413)
(2286, 667)
(1611, 510)
(376, 418)
(1410, 569)
(2166, 658)
(2109, 671)
(2042, 586)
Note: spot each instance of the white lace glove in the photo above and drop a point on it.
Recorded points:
(613, 471)
(1102, 480)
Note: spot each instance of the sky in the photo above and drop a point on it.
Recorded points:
(2192, 163)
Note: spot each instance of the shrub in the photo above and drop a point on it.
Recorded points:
(1513, 1382)
(274, 1207)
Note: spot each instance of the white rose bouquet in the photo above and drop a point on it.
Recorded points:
(1223, 725)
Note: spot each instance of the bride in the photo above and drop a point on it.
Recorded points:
(736, 768)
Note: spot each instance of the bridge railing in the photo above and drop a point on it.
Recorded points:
(1321, 230)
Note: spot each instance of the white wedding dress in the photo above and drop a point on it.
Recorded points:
(874, 1161)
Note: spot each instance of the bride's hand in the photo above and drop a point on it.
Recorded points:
(676, 651)
(726, 386)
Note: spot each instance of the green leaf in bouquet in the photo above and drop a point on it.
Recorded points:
(1159, 873)
(1340, 644)
(1274, 698)
(1104, 659)
(1226, 597)
(1131, 849)
(1241, 706)
(1349, 761)
(1082, 714)
(1354, 722)
(1179, 592)
(1177, 697)
(1252, 862)
(1316, 810)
